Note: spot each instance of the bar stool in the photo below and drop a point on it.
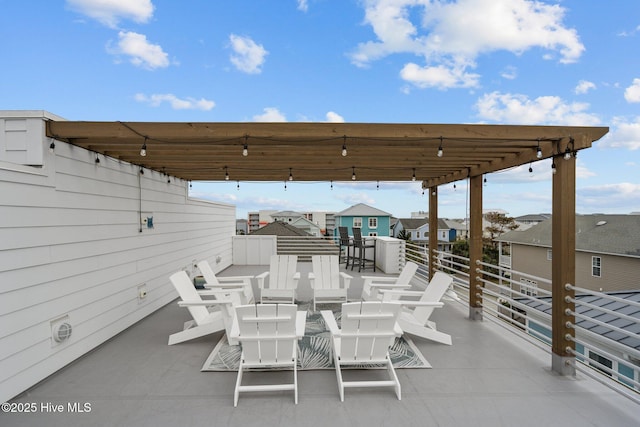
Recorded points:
(345, 244)
(361, 244)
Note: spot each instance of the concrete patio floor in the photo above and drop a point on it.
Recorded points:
(488, 377)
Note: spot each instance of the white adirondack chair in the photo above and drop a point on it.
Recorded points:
(367, 331)
(329, 284)
(269, 335)
(283, 280)
(214, 282)
(372, 284)
(415, 320)
(204, 321)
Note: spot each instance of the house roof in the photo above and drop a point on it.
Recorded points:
(362, 210)
(533, 217)
(413, 223)
(312, 151)
(286, 213)
(618, 306)
(279, 228)
(599, 233)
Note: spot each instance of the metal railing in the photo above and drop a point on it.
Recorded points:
(524, 308)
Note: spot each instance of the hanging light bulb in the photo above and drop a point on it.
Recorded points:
(377, 185)
(97, 159)
(553, 167)
(143, 149)
(530, 168)
(245, 147)
(413, 178)
(226, 174)
(332, 184)
(440, 152)
(353, 175)
(539, 151)
(290, 175)
(52, 146)
(344, 147)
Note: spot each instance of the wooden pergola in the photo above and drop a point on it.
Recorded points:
(434, 154)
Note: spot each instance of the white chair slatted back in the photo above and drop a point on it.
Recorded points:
(434, 292)
(208, 274)
(267, 333)
(367, 330)
(327, 271)
(187, 292)
(282, 269)
(407, 273)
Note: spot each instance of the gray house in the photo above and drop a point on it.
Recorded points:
(607, 252)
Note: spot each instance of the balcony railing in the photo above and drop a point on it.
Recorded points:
(524, 308)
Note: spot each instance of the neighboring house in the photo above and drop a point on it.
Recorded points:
(607, 252)
(372, 221)
(527, 221)
(242, 226)
(409, 226)
(278, 228)
(601, 337)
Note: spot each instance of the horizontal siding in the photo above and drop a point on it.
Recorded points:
(71, 244)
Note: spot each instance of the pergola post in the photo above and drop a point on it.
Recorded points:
(475, 246)
(563, 265)
(433, 229)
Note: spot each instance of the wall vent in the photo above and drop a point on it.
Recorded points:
(61, 330)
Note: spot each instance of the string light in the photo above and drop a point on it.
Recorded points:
(226, 174)
(413, 178)
(353, 175)
(290, 176)
(143, 149)
(530, 168)
(97, 159)
(245, 147)
(344, 147)
(553, 167)
(539, 151)
(52, 146)
(440, 151)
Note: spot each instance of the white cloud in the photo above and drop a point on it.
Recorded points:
(439, 76)
(548, 110)
(453, 34)
(509, 73)
(141, 52)
(334, 117)
(355, 198)
(303, 5)
(632, 93)
(176, 103)
(584, 86)
(270, 114)
(624, 134)
(617, 197)
(110, 12)
(248, 56)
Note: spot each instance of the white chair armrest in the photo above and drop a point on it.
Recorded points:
(301, 322)
(235, 279)
(330, 321)
(389, 286)
(400, 293)
(202, 303)
(346, 279)
(312, 279)
(219, 291)
(260, 278)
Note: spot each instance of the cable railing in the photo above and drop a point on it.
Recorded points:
(524, 308)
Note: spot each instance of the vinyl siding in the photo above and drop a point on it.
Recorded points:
(71, 245)
(619, 273)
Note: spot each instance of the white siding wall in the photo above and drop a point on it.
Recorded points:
(71, 245)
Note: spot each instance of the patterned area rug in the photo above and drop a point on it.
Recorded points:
(315, 348)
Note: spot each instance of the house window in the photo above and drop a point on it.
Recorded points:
(357, 222)
(549, 255)
(596, 266)
(373, 222)
(528, 287)
(417, 234)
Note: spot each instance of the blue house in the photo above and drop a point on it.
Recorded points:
(372, 221)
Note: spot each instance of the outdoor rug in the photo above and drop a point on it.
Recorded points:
(314, 349)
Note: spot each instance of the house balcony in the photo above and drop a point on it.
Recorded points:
(494, 374)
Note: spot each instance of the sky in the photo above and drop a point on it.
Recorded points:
(520, 62)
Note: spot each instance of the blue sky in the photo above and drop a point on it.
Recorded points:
(567, 62)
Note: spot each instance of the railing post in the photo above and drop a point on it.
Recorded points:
(563, 265)
(475, 246)
(433, 230)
